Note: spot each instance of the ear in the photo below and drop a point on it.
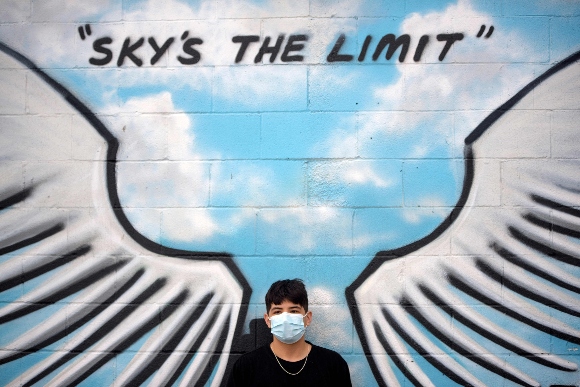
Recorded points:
(268, 323)
(308, 318)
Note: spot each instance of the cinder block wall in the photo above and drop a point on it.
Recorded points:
(415, 163)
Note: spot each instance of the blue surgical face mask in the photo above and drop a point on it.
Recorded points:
(288, 327)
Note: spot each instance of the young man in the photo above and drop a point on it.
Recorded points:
(289, 360)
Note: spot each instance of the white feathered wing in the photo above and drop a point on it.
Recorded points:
(65, 240)
(512, 244)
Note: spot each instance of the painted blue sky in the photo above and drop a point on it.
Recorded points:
(295, 160)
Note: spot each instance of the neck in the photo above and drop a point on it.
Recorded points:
(291, 352)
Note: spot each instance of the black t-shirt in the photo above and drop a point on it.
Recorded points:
(258, 368)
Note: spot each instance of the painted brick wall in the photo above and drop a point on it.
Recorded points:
(415, 163)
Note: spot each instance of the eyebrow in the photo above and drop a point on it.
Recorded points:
(294, 307)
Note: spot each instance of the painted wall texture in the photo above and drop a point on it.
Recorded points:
(417, 163)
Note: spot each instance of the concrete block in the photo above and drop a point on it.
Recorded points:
(147, 221)
(257, 183)
(56, 179)
(226, 136)
(378, 229)
(331, 327)
(346, 87)
(81, 149)
(335, 9)
(563, 33)
(270, 268)
(355, 183)
(522, 8)
(230, 230)
(559, 94)
(402, 134)
(42, 99)
(516, 135)
(13, 100)
(163, 184)
(142, 137)
(259, 88)
(16, 11)
(307, 135)
(316, 231)
(98, 11)
(426, 182)
(564, 134)
(221, 9)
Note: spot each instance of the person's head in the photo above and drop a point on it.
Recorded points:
(287, 310)
(292, 290)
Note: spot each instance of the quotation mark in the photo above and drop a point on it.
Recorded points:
(82, 29)
(482, 30)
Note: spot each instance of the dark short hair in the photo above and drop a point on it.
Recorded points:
(292, 290)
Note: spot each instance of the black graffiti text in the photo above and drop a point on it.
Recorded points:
(389, 44)
(287, 49)
(131, 50)
(293, 45)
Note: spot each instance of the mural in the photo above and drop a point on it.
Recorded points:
(515, 255)
(414, 162)
(65, 221)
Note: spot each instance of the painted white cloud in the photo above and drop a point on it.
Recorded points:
(143, 154)
(377, 239)
(364, 174)
(209, 10)
(189, 226)
(329, 229)
(458, 84)
(172, 179)
(476, 77)
(341, 174)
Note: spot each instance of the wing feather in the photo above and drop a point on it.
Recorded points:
(102, 322)
(58, 323)
(516, 254)
(398, 317)
(142, 318)
(392, 343)
(210, 345)
(523, 256)
(156, 344)
(201, 318)
(441, 295)
(64, 237)
(435, 321)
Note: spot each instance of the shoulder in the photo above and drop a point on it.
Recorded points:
(253, 356)
(247, 366)
(328, 354)
(332, 365)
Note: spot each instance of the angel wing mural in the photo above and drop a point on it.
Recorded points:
(64, 233)
(502, 270)
(488, 298)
